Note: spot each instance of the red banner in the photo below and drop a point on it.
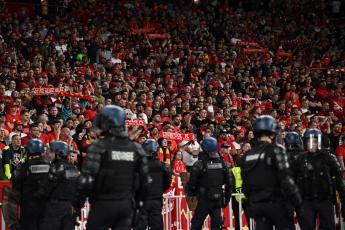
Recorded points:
(47, 91)
(255, 51)
(245, 43)
(141, 31)
(76, 95)
(135, 123)
(293, 42)
(157, 36)
(178, 136)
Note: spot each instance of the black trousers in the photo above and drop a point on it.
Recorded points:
(58, 216)
(204, 208)
(31, 214)
(311, 209)
(151, 215)
(269, 214)
(114, 214)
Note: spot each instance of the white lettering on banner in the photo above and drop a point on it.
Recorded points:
(122, 156)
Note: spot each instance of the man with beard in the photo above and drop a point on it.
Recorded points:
(335, 135)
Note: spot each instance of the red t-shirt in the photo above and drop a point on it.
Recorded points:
(340, 151)
(43, 137)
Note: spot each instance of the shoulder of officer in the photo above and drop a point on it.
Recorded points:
(97, 147)
(139, 149)
(278, 149)
(199, 165)
(6, 147)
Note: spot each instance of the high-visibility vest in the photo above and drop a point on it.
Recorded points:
(236, 171)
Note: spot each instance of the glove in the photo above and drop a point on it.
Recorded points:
(8, 172)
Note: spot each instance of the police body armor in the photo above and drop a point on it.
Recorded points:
(66, 175)
(161, 179)
(35, 173)
(116, 177)
(293, 155)
(212, 180)
(260, 181)
(315, 177)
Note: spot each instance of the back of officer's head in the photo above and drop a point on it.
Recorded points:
(60, 148)
(35, 147)
(293, 141)
(111, 120)
(209, 145)
(265, 125)
(312, 140)
(151, 147)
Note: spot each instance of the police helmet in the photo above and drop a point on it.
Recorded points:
(150, 146)
(111, 119)
(265, 124)
(61, 148)
(209, 145)
(35, 147)
(293, 141)
(312, 139)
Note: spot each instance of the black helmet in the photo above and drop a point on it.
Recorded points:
(311, 138)
(150, 146)
(111, 119)
(60, 148)
(265, 125)
(35, 147)
(293, 141)
(210, 146)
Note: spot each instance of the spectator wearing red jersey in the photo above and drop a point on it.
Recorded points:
(340, 152)
(35, 133)
(225, 154)
(13, 114)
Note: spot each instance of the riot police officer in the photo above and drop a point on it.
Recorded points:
(111, 173)
(316, 171)
(294, 146)
(265, 173)
(206, 182)
(151, 213)
(28, 182)
(62, 186)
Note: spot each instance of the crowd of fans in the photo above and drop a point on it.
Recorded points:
(205, 69)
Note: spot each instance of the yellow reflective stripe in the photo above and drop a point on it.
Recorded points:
(238, 182)
(7, 171)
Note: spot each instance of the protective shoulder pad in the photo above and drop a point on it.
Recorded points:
(279, 149)
(199, 165)
(97, 147)
(71, 173)
(140, 149)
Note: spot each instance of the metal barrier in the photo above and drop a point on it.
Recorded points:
(177, 216)
(180, 219)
